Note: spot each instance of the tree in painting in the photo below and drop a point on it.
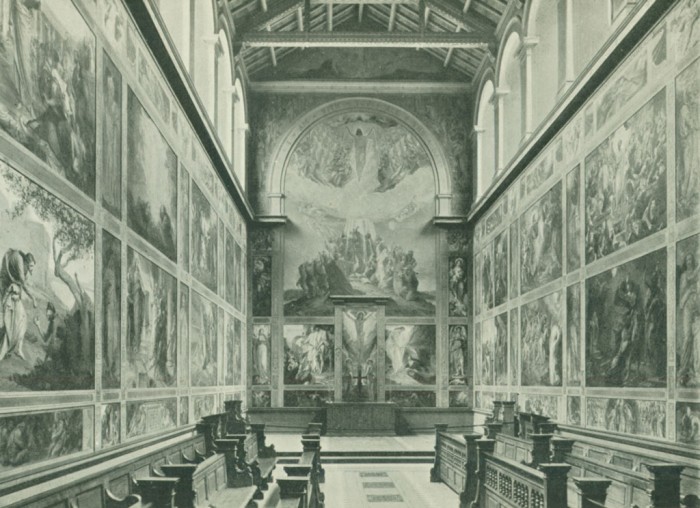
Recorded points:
(261, 354)
(203, 342)
(573, 220)
(459, 287)
(356, 192)
(360, 355)
(262, 286)
(111, 310)
(204, 239)
(47, 86)
(410, 355)
(35, 437)
(47, 337)
(687, 142)
(500, 269)
(151, 335)
(626, 182)
(541, 341)
(626, 324)
(308, 352)
(111, 137)
(151, 181)
(573, 337)
(458, 355)
(688, 312)
(540, 241)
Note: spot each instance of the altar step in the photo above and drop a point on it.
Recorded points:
(364, 457)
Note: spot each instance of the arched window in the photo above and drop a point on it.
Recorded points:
(546, 77)
(224, 88)
(590, 30)
(510, 91)
(486, 138)
(240, 131)
(176, 16)
(204, 44)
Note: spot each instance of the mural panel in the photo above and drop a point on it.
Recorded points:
(111, 137)
(460, 399)
(309, 354)
(500, 268)
(573, 338)
(261, 399)
(514, 348)
(625, 182)
(541, 241)
(477, 354)
(360, 355)
(47, 278)
(688, 423)
(410, 355)
(573, 220)
(204, 240)
(411, 399)
(514, 260)
(111, 310)
(487, 277)
(688, 312)
(151, 181)
(239, 283)
(184, 410)
(183, 319)
(233, 352)
(262, 285)
(628, 416)
(47, 87)
(356, 193)
(261, 354)
(203, 342)
(541, 339)
(459, 351)
(37, 437)
(459, 287)
(488, 338)
(231, 270)
(687, 144)
(546, 405)
(307, 399)
(184, 219)
(151, 348)
(626, 324)
(149, 416)
(500, 350)
(203, 405)
(573, 410)
(110, 417)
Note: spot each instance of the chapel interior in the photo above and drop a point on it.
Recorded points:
(350, 253)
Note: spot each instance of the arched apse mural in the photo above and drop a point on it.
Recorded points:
(359, 191)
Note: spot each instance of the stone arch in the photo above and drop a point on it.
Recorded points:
(287, 144)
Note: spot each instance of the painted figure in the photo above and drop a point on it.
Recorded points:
(16, 268)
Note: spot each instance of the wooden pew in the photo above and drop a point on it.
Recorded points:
(455, 462)
(242, 455)
(294, 491)
(206, 484)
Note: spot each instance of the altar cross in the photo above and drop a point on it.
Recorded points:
(359, 378)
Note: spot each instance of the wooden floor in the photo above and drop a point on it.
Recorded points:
(384, 486)
(285, 443)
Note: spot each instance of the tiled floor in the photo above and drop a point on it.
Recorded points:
(384, 486)
(421, 443)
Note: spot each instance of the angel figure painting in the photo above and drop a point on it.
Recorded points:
(358, 192)
(410, 355)
(359, 355)
(308, 354)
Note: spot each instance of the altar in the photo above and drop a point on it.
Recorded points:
(361, 419)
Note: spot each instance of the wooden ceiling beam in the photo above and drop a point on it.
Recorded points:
(300, 19)
(276, 11)
(460, 40)
(360, 8)
(392, 17)
(329, 16)
(472, 22)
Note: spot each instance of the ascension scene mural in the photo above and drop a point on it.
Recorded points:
(151, 309)
(410, 355)
(541, 341)
(151, 181)
(308, 351)
(625, 182)
(359, 355)
(688, 312)
(47, 86)
(47, 280)
(626, 324)
(356, 195)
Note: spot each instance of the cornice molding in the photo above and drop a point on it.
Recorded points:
(364, 87)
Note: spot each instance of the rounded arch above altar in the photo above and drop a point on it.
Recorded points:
(368, 107)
